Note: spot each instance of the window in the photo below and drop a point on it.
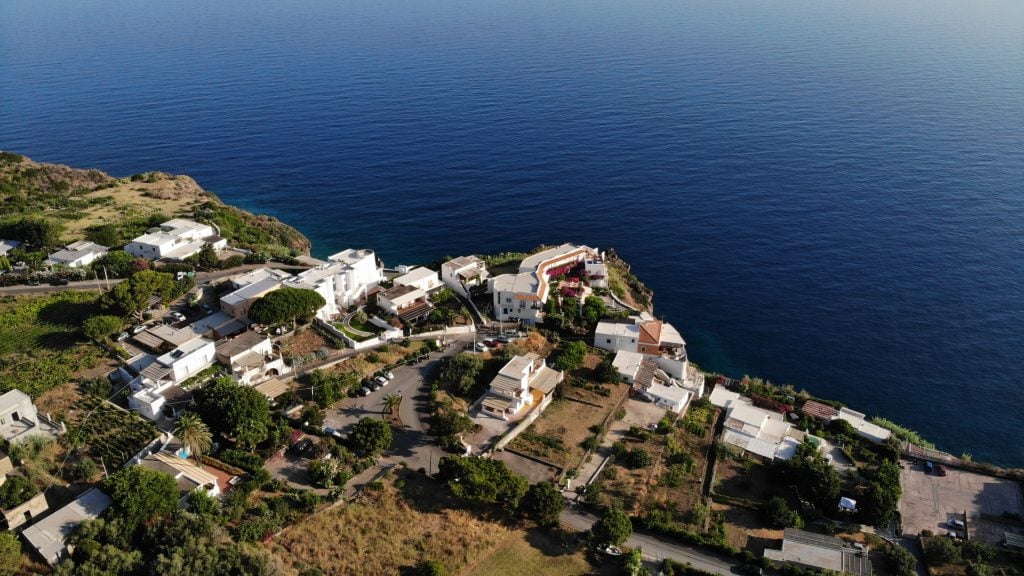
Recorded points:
(608, 341)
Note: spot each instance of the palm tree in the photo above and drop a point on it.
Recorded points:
(390, 401)
(194, 435)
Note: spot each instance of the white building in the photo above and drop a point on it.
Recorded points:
(423, 278)
(251, 358)
(523, 381)
(756, 430)
(521, 296)
(237, 303)
(49, 535)
(343, 281)
(20, 420)
(462, 272)
(408, 303)
(156, 375)
(858, 420)
(78, 254)
(8, 245)
(667, 382)
(641, 334)
(175, 239)
(597, 271)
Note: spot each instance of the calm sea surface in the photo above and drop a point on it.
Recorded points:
(824, 193)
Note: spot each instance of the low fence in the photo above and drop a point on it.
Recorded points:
(468, 329)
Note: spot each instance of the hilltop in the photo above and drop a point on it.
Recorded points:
(94, 205)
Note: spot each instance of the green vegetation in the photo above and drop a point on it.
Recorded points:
(900, 560)
(614, 527)
(460, 374)
(41, 345)
(777, 513)
(903, 433)
(253, 232)
(329, 386)
(16, 490)
(571, 356)
(131, 297)
(10, 554)
(370, 437)
(328, 474)
(194, 435)
(542, 504)
(286, 305)
(99, 328)
(234, 411)
(140, 494)
(110, 433)
(482, 481)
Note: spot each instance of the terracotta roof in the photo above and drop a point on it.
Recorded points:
(818, 410)
(650, 332)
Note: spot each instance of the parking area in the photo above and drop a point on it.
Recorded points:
(930, 501)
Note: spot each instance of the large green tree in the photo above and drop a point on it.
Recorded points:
(131, 296)
(234, 411)
(483, 481)
(459, 373)
(38, 233)
(140, 494)
(370, 437)
(101, 327)
(614, 527)
(572, 356)
(286, 305)
(879, 506)
(542, 503)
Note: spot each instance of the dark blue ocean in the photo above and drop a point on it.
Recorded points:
(824, 193)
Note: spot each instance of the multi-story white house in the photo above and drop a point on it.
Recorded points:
(523, 381)
(175, 239)
(408, 303)
(641, 334)
(521, 296)
(19, 419)
(248, 288)
(251, 358)
(154, 376)
(78, 254)
(347, 278)
(462, 272)
(423, 278)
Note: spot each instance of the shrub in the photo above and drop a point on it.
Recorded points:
(941, 551)
(245, 460)
(637, 458)
(777, 513)
(16, 490)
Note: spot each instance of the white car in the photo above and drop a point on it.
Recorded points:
(138, 328)
(389, 375)
(481, 347)
(381, 380)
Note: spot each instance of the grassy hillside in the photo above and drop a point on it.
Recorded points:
(111, 211)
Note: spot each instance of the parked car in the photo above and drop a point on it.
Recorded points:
(301, 446)
(365, 391)
(177, 316)
(504, 339)
(138, 328)
(59, 282)
(207, 308)
(381, 380)
(481, 347)
(122, 337)
(376, 386)
(389, 375)
(956, 524)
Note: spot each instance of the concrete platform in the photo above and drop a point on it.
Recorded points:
(930, 501)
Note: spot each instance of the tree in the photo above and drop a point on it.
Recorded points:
(235, 411)
(329, 387)
(206, 258)
(10, 554)
(194, 435)
(16, 490)
(637, 458)
(370, 437)
(286, 305)
(328, 474)
(101, 327)
(37, 233)
(815, 478)
(482, 481)
(542, 504)
(391, 401)
(634, 565)
(312, 415)
(606, 370)
(777, 513)
(883, 495)
(572, 356)
(138, 494)
(614, 527)
(119, 264)
(593, 310)
(901, 560)
(941, 551)
(459, 373)
(132, 296)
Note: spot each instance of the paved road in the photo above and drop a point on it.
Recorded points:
(656, 548)
(201, 278)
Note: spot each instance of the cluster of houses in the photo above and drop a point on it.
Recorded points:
(520, 297)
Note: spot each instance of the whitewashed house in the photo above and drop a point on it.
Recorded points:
(665, 381)
(345, 280)
(462, 272)
(237, 303)
(423, 278)
(523, 381)
(49, 535)
(642, 334)
(155, 376)
(175, 239)
(251, 358)
(408, 303)
(78, 254)
(759, 431)
(19, 418)
(521, 296)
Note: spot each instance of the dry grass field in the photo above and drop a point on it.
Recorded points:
(531, 553)
(556, 436)
(387, 530)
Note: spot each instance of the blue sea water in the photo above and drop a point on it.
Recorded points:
(824, 193)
